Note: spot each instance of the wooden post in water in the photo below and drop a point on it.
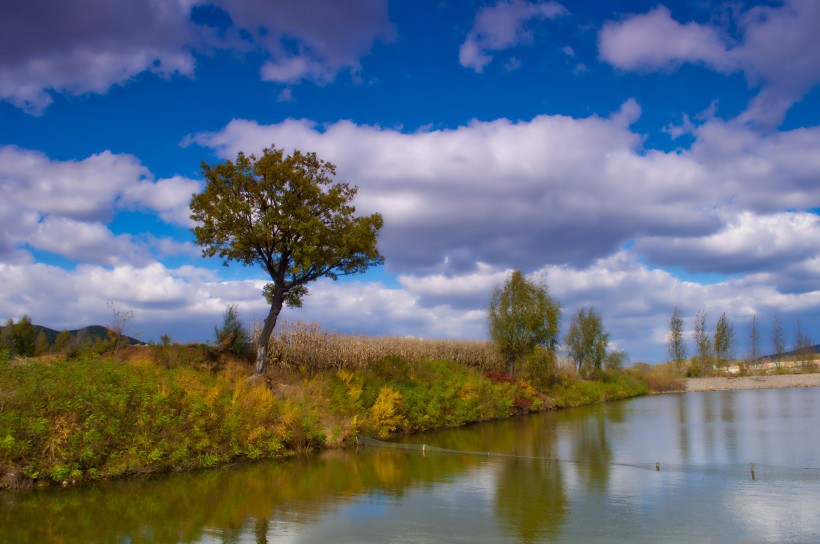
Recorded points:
(657, 466)
(753, 471)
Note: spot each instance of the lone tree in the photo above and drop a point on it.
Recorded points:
(677, 347)
(724, 342)
(703, 345)
(287, 215)
(522, 315)
(586, 341)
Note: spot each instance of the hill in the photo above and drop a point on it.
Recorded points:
(92, 332)
(804, 351)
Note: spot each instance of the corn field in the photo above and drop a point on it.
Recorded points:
(306, 345)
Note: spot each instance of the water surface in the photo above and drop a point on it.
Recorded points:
(582, 475)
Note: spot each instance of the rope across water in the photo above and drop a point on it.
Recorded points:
(753, 469)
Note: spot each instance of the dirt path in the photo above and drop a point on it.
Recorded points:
(774, 381)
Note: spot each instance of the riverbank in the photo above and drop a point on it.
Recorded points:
(773, 381)
(93, 418)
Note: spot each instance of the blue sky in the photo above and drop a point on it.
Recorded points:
(634, 155)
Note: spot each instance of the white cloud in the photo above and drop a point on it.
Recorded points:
(64, 207)
(747, 242)
(89, 242)
(168, 197)
(502, 26)
(82, 190)
(778, 51)
(550, 190)
(634, 300)
(559, 196)
(294, 69)
(656, 41)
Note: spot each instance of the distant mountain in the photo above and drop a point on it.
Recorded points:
(96, 332)
(811, 349)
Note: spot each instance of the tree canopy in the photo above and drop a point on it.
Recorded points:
(285, 214)
(676, 346)
(586, 341)
(522, 315)
(724, 341)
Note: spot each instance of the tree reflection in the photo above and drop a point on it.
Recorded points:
(530, 500)
(590, 448)
(233, 504)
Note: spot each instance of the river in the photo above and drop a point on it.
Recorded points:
(667, 468)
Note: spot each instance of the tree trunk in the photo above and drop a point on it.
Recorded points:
(264, 337)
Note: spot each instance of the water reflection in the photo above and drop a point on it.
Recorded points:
(605, 489)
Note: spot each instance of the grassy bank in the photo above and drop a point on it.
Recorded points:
(65, 421)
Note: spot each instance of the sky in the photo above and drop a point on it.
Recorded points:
(633, 155)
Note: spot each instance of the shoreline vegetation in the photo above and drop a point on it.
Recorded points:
(93, 414)
(166, 408)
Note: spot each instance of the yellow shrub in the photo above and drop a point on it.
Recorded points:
(384, 416)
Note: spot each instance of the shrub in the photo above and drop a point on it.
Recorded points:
(232, 336)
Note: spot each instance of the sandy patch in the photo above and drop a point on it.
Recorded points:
(774, 381)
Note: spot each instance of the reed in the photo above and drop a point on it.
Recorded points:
(307, 346)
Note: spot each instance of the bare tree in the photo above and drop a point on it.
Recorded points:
(778, 338)
(754, 340)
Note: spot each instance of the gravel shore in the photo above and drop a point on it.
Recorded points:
(774, 381)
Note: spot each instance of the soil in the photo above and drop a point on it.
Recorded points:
(774, 381)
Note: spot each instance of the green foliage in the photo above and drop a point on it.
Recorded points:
(62, 419)
(522, 316)
(677, 346)
(571, 391)
(24, 337)
(703, 345)
(724, 341)
(540, 367)
(286, 215)
(586, 341)
(615, 360)
(232, 336)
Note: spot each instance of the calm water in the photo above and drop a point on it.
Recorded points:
(604, 488)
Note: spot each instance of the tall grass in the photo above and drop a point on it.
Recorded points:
(306, 345)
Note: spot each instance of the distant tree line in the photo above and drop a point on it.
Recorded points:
(25, 339)
(716, 349)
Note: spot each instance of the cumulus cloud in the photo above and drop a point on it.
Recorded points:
(502, 26)
(656, 41)
(64, 207)
(557, 197)
(550, 190)
(168, 197)
(778, 51)
(747, 242)
(87, 46)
